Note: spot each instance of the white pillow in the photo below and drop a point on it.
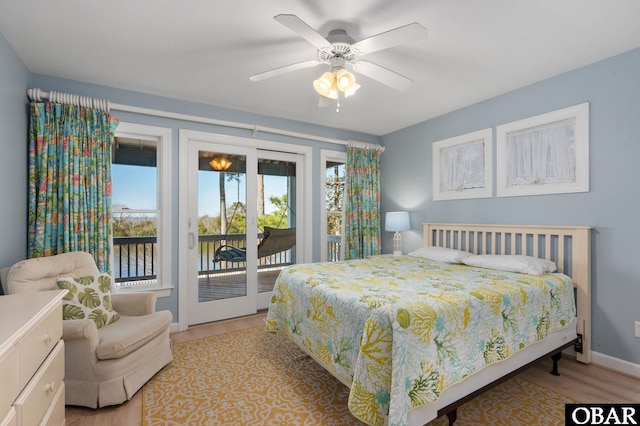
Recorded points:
(513, 263)
(441, 254)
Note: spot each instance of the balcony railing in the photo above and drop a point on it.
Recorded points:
(334, 247)
(136, 257)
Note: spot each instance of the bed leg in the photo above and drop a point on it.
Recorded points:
(555, 358)
(452, 416)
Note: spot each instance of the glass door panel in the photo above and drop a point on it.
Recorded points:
(277, 204)
(222, 226)
(221, 279)
(244, 220)
(334, 204)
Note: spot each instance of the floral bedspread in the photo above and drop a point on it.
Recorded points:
(402, 329)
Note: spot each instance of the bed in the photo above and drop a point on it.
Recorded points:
(416, 336)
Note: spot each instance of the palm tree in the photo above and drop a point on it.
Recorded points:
(260, 195)
(223, 204)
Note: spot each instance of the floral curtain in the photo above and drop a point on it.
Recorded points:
(70, 181)
(362, 210)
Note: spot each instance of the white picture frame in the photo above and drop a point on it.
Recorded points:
(462, 166)
(544, 154)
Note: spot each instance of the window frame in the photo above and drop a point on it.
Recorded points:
(163, 135)
(328, 155)
(486, 191)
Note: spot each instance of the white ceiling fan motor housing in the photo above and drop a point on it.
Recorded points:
(340, 49)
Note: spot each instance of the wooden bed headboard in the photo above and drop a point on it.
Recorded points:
(568, 246)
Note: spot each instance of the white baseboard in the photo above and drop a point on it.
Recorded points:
(174, 327)
(616, 364)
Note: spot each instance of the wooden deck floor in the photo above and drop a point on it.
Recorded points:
(228, 285)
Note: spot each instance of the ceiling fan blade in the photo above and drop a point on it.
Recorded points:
(301, 28)
(285, 69)
(402, 35)
(383, 75)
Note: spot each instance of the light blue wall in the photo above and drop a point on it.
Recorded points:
(14, 80)
(130, 98)
(612, 207)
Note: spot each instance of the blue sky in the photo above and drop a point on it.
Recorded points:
(134, 187)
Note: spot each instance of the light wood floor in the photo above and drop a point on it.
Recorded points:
(584, 383)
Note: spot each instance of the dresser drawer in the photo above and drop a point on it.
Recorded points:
(38, 395)
(9, 419)
(38, 342)
(55, 415)
(9, 379)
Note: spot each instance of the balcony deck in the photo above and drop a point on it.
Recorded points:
(225, 285)
(136, 262)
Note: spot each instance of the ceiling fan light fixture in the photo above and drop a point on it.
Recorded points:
(345, 80)
(333, 91)
(326, 85)
(351, 90)
(220, 164)
(323, 84)
(330, 83)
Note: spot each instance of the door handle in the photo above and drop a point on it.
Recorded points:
(192, 240)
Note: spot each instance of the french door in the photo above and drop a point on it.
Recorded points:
(243, 207)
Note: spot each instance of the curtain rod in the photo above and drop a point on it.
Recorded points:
(365, 145)
(206, 120)
(37, 95)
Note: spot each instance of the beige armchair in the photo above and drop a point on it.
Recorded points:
(107, 365)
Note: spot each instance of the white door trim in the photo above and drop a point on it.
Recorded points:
(303, 252)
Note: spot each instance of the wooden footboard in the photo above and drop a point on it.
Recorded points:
(568, 246)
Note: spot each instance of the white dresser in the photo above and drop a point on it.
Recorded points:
(31, 359)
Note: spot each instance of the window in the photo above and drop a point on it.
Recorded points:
(333, 183)
(462, 166)
(545, 154)
(141, 208)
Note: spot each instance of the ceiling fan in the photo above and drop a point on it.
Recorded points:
(338, 50)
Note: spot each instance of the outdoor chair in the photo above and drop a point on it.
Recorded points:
(273, 241)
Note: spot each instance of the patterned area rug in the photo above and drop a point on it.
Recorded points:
(250, 377)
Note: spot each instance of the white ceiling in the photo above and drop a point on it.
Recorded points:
(205, 50)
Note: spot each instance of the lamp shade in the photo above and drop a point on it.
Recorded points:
(351, 90)
(345, 80)
(397, 222)
(326, 85)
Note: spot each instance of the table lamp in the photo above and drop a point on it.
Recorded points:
(397, 222)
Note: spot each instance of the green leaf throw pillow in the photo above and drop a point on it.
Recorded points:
(88, 297)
